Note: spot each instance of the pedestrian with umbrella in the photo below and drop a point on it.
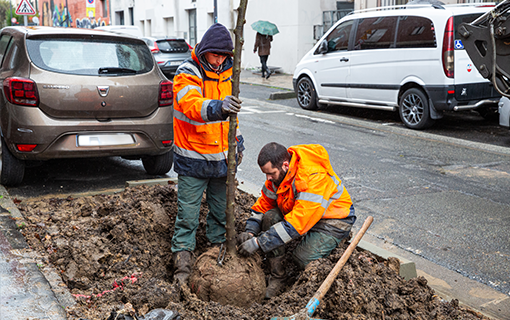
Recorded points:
(265, 32)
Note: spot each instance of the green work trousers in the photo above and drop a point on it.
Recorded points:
(189, 199)
(313, 246)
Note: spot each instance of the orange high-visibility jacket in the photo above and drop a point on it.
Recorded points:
(200, 128)
(310, 191)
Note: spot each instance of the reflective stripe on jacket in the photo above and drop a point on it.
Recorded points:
(310, 191)
(200, 128)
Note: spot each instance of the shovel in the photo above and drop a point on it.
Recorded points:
(314, 302)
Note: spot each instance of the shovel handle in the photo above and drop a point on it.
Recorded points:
(323, 289)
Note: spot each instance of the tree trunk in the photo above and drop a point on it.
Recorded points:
(231, 181)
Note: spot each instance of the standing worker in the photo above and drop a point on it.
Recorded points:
(202, 104)
(263, 45)
(302, 196)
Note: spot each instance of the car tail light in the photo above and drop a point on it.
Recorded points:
(166, 143)
(156, 48)
(166, 94)
(26, 147)
(448, 50)
(21, 91)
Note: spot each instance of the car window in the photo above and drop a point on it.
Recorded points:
(415, 32)
(338, 39)
(4, 43)
(89, 57)
(172, 46)
(375, 33)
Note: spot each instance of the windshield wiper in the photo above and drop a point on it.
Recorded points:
(116, 70)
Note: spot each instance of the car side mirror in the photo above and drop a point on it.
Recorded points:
(323, 47)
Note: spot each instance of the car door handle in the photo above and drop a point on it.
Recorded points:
(344, 59)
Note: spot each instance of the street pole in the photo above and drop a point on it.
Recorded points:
(215, 11)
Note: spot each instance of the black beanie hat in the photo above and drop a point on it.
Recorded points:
(216, 39)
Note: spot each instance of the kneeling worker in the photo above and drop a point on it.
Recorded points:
(302, 196)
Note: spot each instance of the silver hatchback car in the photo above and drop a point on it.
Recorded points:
(169, 53)
(77, 93)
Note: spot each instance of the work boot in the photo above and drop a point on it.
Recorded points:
(277, 277)
(182, 266)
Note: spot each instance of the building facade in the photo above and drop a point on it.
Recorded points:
(300, 22)
(74, 13)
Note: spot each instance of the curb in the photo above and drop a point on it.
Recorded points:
(282, 95)
(42, 295)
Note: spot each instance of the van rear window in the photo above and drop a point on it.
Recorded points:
(415, 32)
(89, 56)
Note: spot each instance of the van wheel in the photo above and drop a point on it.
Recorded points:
(414, 109)
(306, 94)
(12, 169)
(160, 164)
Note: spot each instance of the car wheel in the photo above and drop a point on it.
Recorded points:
(160, 164)
(306, 94)
(414, 109)
(12, 169)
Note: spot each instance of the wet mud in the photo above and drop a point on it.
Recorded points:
(113, 253)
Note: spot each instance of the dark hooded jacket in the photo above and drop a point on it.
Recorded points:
(200, 128)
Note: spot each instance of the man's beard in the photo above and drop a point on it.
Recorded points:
(281, 176)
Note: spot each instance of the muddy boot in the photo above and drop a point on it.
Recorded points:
(182, 265)
(277, 277)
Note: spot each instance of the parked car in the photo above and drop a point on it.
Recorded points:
(406, 58)
(77, 93)
(169, 53)
(130, 30)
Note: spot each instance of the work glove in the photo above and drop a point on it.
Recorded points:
(231, 104)
(243, 237)
(249, 247)
(239, 158)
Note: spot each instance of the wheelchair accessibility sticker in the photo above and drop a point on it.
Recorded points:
(458, 44)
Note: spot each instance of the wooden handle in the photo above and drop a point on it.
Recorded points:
(323, 289)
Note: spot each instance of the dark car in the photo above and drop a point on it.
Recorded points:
(169, 53)
(77, 93)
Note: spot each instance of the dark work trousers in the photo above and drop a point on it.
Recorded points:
(189, 199)
(314, 244)
(263, 61)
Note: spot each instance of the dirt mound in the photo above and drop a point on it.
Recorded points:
(114, 250)
(237, 282)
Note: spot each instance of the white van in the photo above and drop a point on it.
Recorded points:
(129, 30)
(407, 58)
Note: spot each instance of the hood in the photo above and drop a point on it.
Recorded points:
(310, 158)
(216, 39)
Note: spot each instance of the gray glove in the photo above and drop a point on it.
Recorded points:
(249, 247)
(231, 104)
(243, 237)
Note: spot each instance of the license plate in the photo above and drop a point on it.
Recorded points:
(174, 63)
(100, 140)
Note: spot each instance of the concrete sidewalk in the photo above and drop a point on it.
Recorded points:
(276, 80)
(29, 289)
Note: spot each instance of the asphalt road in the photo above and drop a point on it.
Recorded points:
(442, 198)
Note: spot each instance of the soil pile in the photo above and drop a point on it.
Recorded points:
(113, 251)
(237, 281)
